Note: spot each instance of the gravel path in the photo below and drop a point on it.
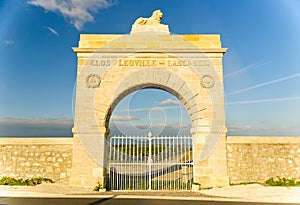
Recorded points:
(253, 192)
(73, 190)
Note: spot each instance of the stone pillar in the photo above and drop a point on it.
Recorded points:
(86, 170)
(210, 160)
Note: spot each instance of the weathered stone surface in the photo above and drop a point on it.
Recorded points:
(258, 158)
(32, 158)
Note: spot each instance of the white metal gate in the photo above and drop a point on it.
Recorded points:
(150, 163)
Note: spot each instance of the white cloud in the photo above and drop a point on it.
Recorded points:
(123, 118)
(52, 30)
(9, 42)
(169, 102)
(250, 67)
(265, 84)
(77, 11)
(262, 100)
(156, 109)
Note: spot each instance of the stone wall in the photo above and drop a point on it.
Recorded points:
(36, 157)
(255, 159)
(249, 158)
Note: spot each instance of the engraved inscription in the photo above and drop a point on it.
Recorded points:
(146, 62)
(100, 62)
(138, 62)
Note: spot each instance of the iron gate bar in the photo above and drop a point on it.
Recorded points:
(148, 162)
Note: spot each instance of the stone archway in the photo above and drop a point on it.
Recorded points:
(133, 89)
(111, 66)
(144, 78)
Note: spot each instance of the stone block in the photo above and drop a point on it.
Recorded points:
(191, 37)
(153, 45)
(96, 44)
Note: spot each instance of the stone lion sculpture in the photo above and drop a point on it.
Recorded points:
(153, 20)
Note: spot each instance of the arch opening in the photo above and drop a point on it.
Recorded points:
(149, 109)
(154, 150)
(167, 99)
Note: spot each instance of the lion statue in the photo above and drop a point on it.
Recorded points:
(153, 20)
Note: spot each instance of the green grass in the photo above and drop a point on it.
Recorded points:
(243, 183)
(21, 182)
(278, 181)
(98, 187)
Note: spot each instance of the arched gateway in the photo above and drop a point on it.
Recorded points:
(112, 66)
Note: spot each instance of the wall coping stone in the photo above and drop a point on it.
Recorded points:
(36, 141)
(127, 50)
(263, 139)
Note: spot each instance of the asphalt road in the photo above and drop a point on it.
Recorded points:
(115, 201)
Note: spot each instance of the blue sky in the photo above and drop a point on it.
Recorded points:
(38, 66)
